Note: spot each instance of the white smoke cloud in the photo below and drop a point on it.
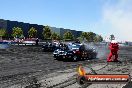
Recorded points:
(119, 17)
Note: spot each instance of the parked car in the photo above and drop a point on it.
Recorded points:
(74, 52)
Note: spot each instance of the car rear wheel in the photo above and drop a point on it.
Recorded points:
(89, 56)
(94, 56)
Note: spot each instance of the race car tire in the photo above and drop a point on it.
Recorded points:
(94, 56)
(89, 56)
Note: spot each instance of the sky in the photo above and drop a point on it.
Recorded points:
(104, 17)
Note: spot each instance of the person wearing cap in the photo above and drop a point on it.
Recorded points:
(114, 47)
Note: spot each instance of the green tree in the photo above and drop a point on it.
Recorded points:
(90, 36)
(68, 36)
(47, 32)
(17, 32)
(22, 36)
(98, 38)
(55, 36)
(2, 33)
(84, 34)
(32, 32)
(83, 37)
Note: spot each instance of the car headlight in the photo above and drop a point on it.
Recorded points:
(55, 52)
(65, 53)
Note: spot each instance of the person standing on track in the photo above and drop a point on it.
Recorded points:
(37, 40)
(114, 47)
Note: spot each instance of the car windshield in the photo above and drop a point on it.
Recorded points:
(63, 48)
(75, 46)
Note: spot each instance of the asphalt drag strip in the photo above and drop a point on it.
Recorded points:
(100, 69)
(37, 68)
(67, 78)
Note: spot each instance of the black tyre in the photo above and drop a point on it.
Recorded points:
(89, 56)
(81, 80)
(94, 56)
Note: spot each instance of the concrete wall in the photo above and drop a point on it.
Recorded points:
(3, 24)
(8, 25)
